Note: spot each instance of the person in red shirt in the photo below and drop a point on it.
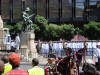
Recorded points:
(14, 60)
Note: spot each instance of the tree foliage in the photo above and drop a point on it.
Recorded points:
(92, 30)
(45, 31)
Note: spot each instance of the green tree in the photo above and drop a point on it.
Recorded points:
(42, 23)
(92, 30)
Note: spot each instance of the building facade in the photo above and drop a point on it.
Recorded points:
(56, 11)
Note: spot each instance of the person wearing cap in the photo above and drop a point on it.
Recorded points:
(36, 70)
(52, 66)
(14, 60)
(97, 54)
(1, 67)
(64, 66)
(8, 42)
(8, 67)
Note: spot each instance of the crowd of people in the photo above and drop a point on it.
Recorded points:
(11, 66)
(68, 65)
(74, 63)
(12, 44)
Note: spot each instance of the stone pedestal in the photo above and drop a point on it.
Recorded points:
(27, 45)
(1, 22)
(1, 34)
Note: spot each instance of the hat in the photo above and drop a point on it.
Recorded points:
(35, 61)
(27, 9)
(14, 59)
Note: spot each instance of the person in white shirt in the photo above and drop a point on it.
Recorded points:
(8, 42)
(97, 53)
(17, 41)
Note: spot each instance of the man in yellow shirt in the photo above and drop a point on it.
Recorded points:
(36, 70)
(7, 67)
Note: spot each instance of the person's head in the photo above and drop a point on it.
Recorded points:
(14, 60)
(35, 62)
(39, 41)
(51, 58)
(27, 9)
(68, 51)
(98, 45)
(17, 34)
(5, 59)
(8, 35)
(1, 67)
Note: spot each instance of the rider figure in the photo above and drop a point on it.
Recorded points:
(27, 20)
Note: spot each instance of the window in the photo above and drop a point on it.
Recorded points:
(79, 8)
(17, 9)
(41, 6)
(66, 8)
(53, 8)
(5, 9)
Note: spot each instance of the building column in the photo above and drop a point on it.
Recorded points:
(35, 6)
(47, 9)
(22, 5)
(60, 10)
(73, 9)
(11, 10)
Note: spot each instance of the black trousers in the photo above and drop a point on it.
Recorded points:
(98, 64)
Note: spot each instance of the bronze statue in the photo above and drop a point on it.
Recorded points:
(27, 22)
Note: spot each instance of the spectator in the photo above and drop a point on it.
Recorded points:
(1, 67)
(8, 67)
(14, 60)
(39, 46)
(64, 66)
(36, 70)
(80, 55)
(97, 53)
(17, 40)
(50, 46)
(13, 45)
(8, 42)
(52, 66)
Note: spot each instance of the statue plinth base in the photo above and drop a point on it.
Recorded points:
(2, 46)
(27, 45)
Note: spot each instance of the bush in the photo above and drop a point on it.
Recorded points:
(55, 32)
(92, 30)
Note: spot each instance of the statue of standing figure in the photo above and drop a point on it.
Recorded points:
(27, 22)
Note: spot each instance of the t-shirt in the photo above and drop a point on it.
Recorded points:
(17, 72)
(63, 66)
(79, 56)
